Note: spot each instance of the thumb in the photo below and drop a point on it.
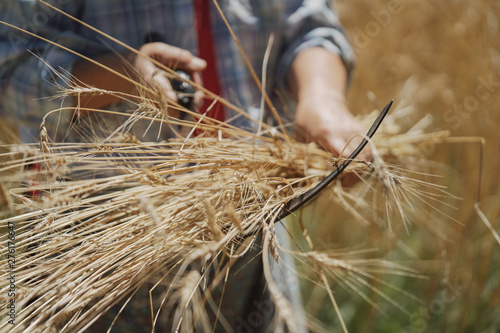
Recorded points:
(337, 146)
(196, 64)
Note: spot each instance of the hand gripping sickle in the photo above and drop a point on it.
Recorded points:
(301, 200)
(185, 96)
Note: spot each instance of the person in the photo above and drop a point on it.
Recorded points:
(310, 61)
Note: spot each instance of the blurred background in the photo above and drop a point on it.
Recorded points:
(442, 59)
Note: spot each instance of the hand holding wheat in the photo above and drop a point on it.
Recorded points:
(318, 80)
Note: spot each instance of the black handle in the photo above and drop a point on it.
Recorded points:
(185, 91)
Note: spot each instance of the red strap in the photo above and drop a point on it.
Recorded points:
(206, 52)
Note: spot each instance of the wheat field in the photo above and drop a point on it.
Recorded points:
(442, 59)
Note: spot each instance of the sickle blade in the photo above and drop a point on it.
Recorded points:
(304, 198)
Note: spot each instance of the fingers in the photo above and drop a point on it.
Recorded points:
(340, 147)
(198, 95)
(162, 83)
(349, 179)
(172, 57)
(334, 128)
(337, 146)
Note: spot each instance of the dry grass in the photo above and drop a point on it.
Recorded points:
(111, 214)
(433, 58)
(116, 212)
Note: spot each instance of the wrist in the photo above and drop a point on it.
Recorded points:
(320, 93)
(330, 103)
(317, 72)
(92, 75)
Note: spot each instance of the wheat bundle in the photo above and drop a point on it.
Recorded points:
(94, 221)
(112, 214)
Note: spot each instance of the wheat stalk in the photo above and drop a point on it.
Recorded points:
(105, 207)
(115, 212)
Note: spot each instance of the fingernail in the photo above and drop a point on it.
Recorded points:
(198, 63)
(172, 96)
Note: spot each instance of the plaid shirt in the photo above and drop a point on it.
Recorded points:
(27, 85)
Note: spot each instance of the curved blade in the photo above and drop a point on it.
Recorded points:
(304, 198)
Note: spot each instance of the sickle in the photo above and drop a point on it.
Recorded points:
(297, 202)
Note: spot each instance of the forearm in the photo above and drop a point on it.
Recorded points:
(318, 81)
(93, 75)
(316, 72)
(142, 67)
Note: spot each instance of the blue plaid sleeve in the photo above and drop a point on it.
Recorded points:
(28, 85)
(28, 66)
(313, 24)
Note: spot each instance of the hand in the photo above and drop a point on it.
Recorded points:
(317, 78)
(324, 118)
(172, 57)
